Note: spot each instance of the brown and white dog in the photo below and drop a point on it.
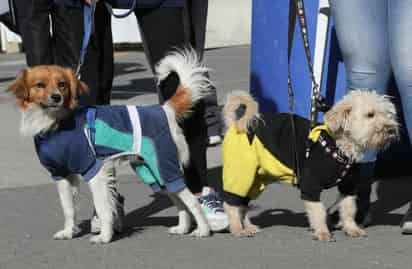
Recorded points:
(48, 98)
(259, 148)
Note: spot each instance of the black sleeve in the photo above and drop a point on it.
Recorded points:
(310, 184)
(235, 200)
(349, 185)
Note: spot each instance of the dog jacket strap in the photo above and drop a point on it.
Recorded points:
(91, 125)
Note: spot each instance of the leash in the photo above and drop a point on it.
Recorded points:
(291, 94)
(297, 10)
(88, 25)
(12, 13)
(128, 11)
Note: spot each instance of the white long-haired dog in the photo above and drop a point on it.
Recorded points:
(75, 142)
(260, 147)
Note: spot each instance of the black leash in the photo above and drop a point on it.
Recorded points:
(12, 13)
(129, 9)
(291, 94)
(297, 10)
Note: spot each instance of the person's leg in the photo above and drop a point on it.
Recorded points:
(66, 22)
(7, 20)
(197, 18)
(400, 45)
(162, 31)
(34, 25)
(106, 59)
(364, 45)
(98, 66)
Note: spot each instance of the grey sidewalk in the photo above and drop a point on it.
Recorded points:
(30, 211)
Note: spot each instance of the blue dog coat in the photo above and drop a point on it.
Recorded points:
(118, 131)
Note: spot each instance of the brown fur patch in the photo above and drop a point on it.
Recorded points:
(181, 101)
(19, 89)
(77, 88)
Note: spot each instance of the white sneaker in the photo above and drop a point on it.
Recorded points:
(212, 207)
(407, 221)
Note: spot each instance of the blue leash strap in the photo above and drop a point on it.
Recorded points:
(88, 20)
(91, 124)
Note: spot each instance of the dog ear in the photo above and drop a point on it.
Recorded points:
(77, 88)
(336, 117)
(19, 88)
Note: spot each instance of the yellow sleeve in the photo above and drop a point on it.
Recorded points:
(239, 163)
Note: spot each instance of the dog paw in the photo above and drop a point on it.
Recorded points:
(66, 234)
(99, 239)
(200, 233)
(244, 233)
(178, 230)
(355, 232)
(324, 237)
(252, 229)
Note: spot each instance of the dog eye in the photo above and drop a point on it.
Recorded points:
(370, 114)
(40, 85)
(61, 84)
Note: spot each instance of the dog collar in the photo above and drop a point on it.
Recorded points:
(330, 149)
(315, 132)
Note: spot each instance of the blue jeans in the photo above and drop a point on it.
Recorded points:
(375, 37)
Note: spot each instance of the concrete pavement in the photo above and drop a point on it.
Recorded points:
(30, 211)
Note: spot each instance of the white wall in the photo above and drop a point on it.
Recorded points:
(229, 23)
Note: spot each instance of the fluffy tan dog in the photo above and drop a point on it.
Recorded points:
(259, 148)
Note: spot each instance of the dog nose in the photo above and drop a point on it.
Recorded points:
(56, 97)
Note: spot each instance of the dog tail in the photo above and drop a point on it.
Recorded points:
(184, 69)
(241, 111)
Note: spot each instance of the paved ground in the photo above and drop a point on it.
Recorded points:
(30, 212)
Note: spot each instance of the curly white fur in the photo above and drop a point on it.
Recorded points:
(363, 121)
(191, 72)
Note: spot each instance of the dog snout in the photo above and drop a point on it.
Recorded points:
(56, 98)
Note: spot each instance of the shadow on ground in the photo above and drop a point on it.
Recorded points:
(392, 194)
(137, 85)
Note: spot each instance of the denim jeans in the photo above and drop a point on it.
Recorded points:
(375, 37)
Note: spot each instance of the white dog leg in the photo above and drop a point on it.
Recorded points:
(250, 228)
(192, 204)
(184, 224)
(105, 204)
(317, 220)
(347, 210)
(236, 218)
(66, 189)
